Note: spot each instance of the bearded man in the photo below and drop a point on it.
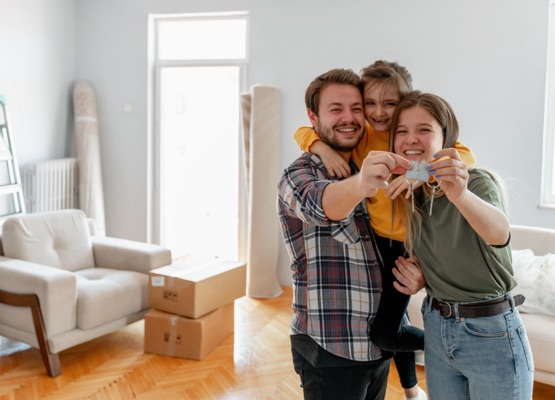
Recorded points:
(335, 269)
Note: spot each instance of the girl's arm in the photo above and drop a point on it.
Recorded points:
(466, 155)
(309, 141)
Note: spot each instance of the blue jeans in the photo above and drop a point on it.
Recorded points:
(485, 358)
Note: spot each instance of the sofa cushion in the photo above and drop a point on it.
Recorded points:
(59, 239)
(104, 295)
(535, 276)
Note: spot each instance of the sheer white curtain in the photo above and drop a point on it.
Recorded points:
(261, 117)
(91, 193)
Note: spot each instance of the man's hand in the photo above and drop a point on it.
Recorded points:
(377, 168)
(409, 275)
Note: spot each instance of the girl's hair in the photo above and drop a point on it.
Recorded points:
(387, 72)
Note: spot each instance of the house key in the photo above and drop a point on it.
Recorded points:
(418, 173)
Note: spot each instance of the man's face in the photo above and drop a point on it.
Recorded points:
(340, 123)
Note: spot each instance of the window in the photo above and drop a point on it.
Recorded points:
(548, 175)
(215, 38)
(200, 63)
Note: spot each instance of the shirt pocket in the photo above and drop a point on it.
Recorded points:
(347, 233)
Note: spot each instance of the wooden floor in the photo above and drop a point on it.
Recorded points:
(254, 363)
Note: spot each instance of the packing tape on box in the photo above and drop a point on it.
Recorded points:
(173, 336)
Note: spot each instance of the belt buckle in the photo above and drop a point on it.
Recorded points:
(450, 309)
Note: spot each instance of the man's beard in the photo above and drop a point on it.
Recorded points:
(327, 136)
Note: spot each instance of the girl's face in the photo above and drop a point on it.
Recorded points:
(418, 136)
(380, 101)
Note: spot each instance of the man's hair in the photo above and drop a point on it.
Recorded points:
(387, 72)
(334, 76)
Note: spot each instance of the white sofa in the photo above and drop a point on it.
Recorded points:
(540, 326)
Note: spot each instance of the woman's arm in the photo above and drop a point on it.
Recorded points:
(488, 221)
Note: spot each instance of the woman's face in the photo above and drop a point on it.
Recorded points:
(418, 136)
(380, 101)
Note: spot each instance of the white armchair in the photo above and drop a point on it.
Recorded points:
(60, 286)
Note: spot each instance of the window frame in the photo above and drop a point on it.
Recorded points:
(548, 167)
(156, 66)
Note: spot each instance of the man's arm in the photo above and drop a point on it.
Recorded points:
(341, 197)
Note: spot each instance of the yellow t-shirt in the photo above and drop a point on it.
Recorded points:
(379, 207)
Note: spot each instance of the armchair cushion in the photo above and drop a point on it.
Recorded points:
(109, 294)
(59, 239)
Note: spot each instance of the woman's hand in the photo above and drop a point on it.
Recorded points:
(488, 221)
(451, 173)
(377, 168)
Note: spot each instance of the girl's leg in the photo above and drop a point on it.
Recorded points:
(405, 364)
(388, 330)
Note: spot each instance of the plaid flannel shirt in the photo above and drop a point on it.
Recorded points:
(336, 275)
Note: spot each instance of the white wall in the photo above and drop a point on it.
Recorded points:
(37, 66)
(486, 58)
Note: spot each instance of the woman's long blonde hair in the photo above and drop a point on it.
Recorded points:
(444, 115)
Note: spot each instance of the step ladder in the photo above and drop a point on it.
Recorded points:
(11, 191)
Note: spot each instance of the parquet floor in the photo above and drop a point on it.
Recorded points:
(252, 364)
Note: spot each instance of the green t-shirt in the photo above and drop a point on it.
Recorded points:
(457, 263)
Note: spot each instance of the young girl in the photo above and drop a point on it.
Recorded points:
(385, 83)
(476, 344)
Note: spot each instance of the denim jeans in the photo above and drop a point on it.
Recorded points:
(485, 358)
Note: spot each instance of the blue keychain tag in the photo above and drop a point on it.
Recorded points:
(418, 172)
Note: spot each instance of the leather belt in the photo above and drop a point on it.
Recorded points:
(476, 310)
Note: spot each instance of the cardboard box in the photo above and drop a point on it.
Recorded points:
(172, 335)
(193, 287)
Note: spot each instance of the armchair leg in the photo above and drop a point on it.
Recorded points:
(51, 360)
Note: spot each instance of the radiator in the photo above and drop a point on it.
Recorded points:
(50, 185)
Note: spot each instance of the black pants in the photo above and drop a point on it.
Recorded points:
(388, 331)
(364, 382)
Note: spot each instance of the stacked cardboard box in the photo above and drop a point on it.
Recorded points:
(193, 306)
